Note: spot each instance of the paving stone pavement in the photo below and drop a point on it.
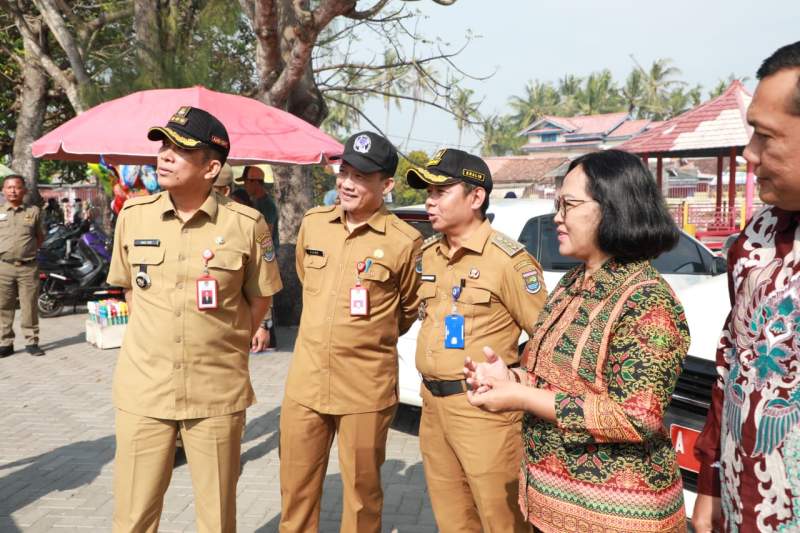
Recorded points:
(57, 446)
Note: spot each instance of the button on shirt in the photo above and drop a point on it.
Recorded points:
(347, 364)
(502, 294)
(19, 229)
(178, 362)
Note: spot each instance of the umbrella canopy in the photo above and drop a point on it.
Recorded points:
(117, 130)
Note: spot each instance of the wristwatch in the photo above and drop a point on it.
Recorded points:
(267, 324)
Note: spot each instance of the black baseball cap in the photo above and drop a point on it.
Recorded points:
(193, 128)
(369, 152)
(449, 165)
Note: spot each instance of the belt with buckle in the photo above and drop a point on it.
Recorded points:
(445, 388)
(17, 263)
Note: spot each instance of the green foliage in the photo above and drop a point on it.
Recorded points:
(653, 93)
(403, 194)
(321, 182)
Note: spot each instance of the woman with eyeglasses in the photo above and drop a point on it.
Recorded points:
(599, 372)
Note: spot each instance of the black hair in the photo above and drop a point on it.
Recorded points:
(635, 223)
(785, 57)
(468, 188)
(16, 177)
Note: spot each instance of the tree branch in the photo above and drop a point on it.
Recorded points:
(367, 13)
(55, 21)
(39, 55)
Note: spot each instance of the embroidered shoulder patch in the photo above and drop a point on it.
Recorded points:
(267, 248)
(531, 280)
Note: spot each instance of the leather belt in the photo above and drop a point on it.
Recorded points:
(445, 388)
(17, 263)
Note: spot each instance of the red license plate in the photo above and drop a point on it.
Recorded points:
(683, 440)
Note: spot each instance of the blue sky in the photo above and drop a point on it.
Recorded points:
(526, 40)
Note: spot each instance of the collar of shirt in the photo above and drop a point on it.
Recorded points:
(603, 282)
(377, 221)
(787, 220)
(8, 207)
(476, 242)
(209, 207)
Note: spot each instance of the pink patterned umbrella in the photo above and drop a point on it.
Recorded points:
(117, 130)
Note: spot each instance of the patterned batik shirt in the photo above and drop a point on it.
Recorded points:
(611, 348)
(749, 450)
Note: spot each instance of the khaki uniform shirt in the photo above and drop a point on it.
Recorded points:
(20, 229)
(178, 362)
(347, 364)
(503, 294)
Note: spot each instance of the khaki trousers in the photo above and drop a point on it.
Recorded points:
(22, 281)
(306, 437)
(472, 460)
(143, 467)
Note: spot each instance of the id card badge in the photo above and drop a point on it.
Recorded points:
(454, 331)
(206, 293)
(359, 301)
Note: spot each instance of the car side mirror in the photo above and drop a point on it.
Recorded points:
(720, 265)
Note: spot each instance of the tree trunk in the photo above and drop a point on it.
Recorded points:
(277, 51)
(31, 117)
(293, 187)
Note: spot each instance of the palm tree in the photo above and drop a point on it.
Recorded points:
(539, 99)
(569, 89)
(599, 94)
(500, 136)
(723, 84)
(465, 110)
(633, 92)
(658, 83)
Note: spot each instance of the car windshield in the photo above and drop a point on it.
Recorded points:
(540, 239)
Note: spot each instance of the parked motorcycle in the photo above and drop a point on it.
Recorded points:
(73, 266)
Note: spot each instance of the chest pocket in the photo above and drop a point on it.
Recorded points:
(377, 273)
(226, 267)
(151, 260)
(313, 272)
(474, 303)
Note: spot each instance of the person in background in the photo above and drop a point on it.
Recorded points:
(21, 236)
(53, 214)
(749, 450)
(600, 368)
(224, 184)
(253, 178)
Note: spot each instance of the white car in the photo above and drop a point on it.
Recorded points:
(692, 270)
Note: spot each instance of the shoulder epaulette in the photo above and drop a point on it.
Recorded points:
(236, 207)
(405, 228)
(430, 241)
(507, 244)
(320, 209)
(141, 200)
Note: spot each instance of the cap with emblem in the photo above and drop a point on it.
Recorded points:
(369, 152)
(192, 128)
(448, 166)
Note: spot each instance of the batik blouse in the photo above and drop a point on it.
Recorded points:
(749, 450)
(611, 348)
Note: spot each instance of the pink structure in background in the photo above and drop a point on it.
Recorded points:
(717, 128)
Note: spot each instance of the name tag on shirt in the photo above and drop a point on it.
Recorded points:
(318, 253)
(206, 293)
(147, 242)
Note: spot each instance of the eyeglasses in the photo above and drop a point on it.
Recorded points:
(563, 205)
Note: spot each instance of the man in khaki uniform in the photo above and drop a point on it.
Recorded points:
(199, 271)
(479, 288)
(356, 264)
(20, 238)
